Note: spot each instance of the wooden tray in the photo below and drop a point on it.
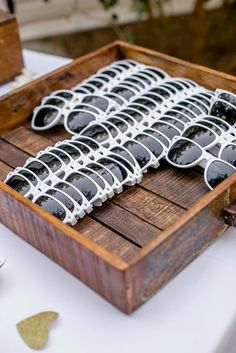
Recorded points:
(130, 247)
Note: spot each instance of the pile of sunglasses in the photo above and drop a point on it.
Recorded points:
(124, 119)
(209, 141)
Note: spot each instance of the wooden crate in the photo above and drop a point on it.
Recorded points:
(11, 60)
(136, 242)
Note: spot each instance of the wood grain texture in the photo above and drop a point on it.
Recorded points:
(134, 244)
(183, 187)
(149, 206)
(11, 60)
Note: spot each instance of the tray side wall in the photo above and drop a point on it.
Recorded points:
(180, 244)
(91, 265)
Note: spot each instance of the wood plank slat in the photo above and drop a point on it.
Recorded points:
(107, 238)
(4, 170)
(26, 140)
(148, 206)
(11, 155)
(126, 223)
(183, 187)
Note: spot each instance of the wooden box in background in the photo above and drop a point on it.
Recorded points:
(11, 60)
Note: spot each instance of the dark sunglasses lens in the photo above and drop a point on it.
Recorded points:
(178, 116)
(199, 104)
(39, 169)
(146, 102)
(80, 90)
(29, 176)
(224, 111)
(95, 83)
(61, 154)
(229, 154)
(140, 108)
(158, 136)
(217, 172)
(69, 190)
(55, 101)
(169, 86)
(102, 171)
(102, 78)
(191, 107)
(228, 97)
(123, 92)
(109, 73)
(112, 129)
(147, 78)
(88, 88)
(155, 71)
(83, 148)
(184, 152)
(87, 141)
(133, 113)
(174, 122)
(97, 133)
(94, 176)
(61, 197)
(115, 98)
(218, 122)
(185, 111)
(98, 102)
(124, 117)
(154, 146)
(211, 126)
(83, 184)
(52, 161)
(115, 168)
(168, 130)
(178, 86)
(45, 116)
(134, 82)
(52, 206)
(67, 95)
(155, 97)
(19, 184)
(139, 152)
(78, 120)
(85, 107)
(122, 152)
(201, 135)
(73, 152)
(161, 92)
(202, 99)
(122, 161)
(121, 125)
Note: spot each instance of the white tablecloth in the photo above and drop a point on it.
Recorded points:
(194, 313)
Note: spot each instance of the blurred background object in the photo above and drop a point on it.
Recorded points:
(201, 31)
